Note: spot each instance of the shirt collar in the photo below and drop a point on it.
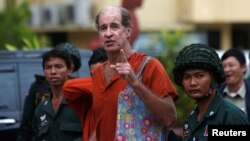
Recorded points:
(241, 92)
(214, 105)
(212, 108)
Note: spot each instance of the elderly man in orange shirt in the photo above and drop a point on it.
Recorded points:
(133, 97)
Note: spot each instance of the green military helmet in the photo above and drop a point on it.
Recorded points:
(74, 52)
(198, 56)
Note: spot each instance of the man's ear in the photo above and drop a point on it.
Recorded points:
(244, 68)
(70, 69)
(129, 32)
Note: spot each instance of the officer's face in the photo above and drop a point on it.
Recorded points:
(196, 82)
(56, 71)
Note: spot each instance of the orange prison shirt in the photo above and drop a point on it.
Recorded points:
(105, 95)
(78, 94)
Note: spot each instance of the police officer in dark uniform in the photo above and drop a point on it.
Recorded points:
(198, 70)
(39, 91)
(54, 120)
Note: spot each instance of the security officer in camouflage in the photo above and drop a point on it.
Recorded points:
(39, 91)
(54, 120)
(198, 70)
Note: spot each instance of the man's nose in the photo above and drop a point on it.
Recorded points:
(193, 81)
(109, 32)
(53, 70)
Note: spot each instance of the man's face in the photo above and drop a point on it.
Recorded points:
(233, 70)
(112, 33)
(196, 82)
(56, 71)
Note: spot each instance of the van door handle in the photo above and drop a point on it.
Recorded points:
(7, 121)
(3, 107)
(9, 69)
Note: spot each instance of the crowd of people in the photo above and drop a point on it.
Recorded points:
(129, 95)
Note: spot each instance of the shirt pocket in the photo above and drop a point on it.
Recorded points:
(43, 130)
(71, 127)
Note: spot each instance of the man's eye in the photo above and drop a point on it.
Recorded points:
(103, 28)
(200, 75)
(47, 67)
(185, 77)
(115, 27)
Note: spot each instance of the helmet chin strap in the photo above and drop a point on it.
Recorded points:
(208, 93)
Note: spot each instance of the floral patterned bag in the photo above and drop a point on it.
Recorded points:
(134, 121)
